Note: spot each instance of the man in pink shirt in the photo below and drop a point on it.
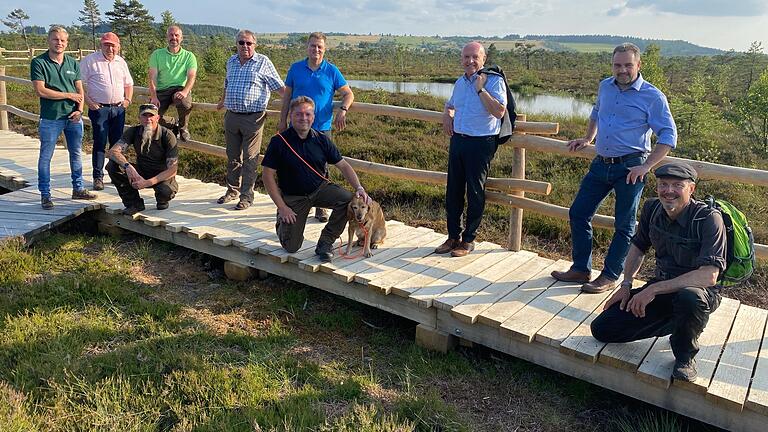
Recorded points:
(108, 92)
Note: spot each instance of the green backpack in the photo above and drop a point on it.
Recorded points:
(740, 244)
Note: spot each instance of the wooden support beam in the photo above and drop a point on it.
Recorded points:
(435, 340)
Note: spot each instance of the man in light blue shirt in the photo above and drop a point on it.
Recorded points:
(627, 111)
(472, 118)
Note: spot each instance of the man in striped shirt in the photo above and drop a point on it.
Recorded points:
(250, 79)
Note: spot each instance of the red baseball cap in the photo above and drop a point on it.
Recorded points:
(110, 38)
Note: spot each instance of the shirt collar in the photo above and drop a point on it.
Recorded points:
(635, 85)
(319, 67)
(684, 218)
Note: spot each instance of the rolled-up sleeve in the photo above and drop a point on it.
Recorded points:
(661, 122)
(713, 242)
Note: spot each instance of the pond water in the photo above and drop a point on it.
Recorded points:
(528, 104)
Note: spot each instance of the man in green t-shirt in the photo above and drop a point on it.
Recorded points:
(56, 79)
(172, 73)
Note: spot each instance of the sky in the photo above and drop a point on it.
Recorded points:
(731, 24)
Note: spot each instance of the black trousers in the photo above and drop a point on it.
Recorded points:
(164, 191)
(469, 160)
(682, 315)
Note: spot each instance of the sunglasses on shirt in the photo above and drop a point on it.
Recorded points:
(242, 42)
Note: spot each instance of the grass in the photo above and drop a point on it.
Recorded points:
(96, 336)
(588, 47)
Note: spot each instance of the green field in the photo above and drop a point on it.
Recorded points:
(588, 47)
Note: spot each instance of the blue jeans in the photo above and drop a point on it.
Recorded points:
(49, 131)
(107, 124)
(596, 185)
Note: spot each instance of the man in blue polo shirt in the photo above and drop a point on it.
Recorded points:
(318, 79)
(472, 118)
(56, 79)
(627, 111)
(251, 78)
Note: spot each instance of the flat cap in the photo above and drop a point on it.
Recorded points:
(679, 170)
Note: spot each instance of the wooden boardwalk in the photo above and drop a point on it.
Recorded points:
(497, 298)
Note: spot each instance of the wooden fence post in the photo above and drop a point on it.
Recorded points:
(3, 101)
(515, 239)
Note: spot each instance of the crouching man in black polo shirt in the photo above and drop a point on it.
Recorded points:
(157, 160)
(297, 158)
(689, 239)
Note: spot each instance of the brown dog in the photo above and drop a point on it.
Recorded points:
(369, 216)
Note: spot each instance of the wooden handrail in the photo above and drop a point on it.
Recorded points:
(521, 139)
(366, 108)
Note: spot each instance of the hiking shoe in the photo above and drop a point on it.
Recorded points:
(83, 194)
(321, 214)
(685, 370)
(46, 203)
(324, 251)
(600, 284)
(447, 246)
(162, 205)
(227, 197)
(571, 276)
(463, 249)
(184, 134)
(243, 204)
(98, 184)
(133, 209)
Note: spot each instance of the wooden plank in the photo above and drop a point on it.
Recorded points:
(474, 285)
(377, 271)
(311, 263)
(532, 317)
(385, 282)
(711, 343)
(580, 342)
(469, 310)
(730, 383)
(657, 365)
(425, 295)
(562, 325)
(627, 356)
(757, 400)
(312, 234)
(437, 266)
(390, 250)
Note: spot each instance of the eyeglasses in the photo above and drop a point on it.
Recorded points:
(242, 42)
(142, 107)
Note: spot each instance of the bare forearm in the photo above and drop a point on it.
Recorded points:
(493, 106)
(704, 276)
(129, 93)
(349, 174)
(165, 175)
(660, 151)
(270, 184)
(348, 99)
(191, 78)
(591, 131)
(633, 262)
(153, 83)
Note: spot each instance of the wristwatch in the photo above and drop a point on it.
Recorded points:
(343, 108)
(482, 90)
(126, 165)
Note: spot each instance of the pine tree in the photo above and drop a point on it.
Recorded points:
(90, 16)
(15, 21)
(167, 21)
(131, 19)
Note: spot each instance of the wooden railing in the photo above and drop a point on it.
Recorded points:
(29, 54)
(508, 192)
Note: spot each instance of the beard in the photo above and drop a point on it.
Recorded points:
(146, 138)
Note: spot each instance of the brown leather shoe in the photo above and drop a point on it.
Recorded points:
(463, 249)
(571, 276)
(600, 284)
(447, 246)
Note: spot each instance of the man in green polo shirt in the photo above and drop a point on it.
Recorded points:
(172, 73)
(56, 79)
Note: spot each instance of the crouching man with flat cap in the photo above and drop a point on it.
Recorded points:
(156, 162)
(689, 239)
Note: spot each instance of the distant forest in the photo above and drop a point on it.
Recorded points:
(669, 48)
